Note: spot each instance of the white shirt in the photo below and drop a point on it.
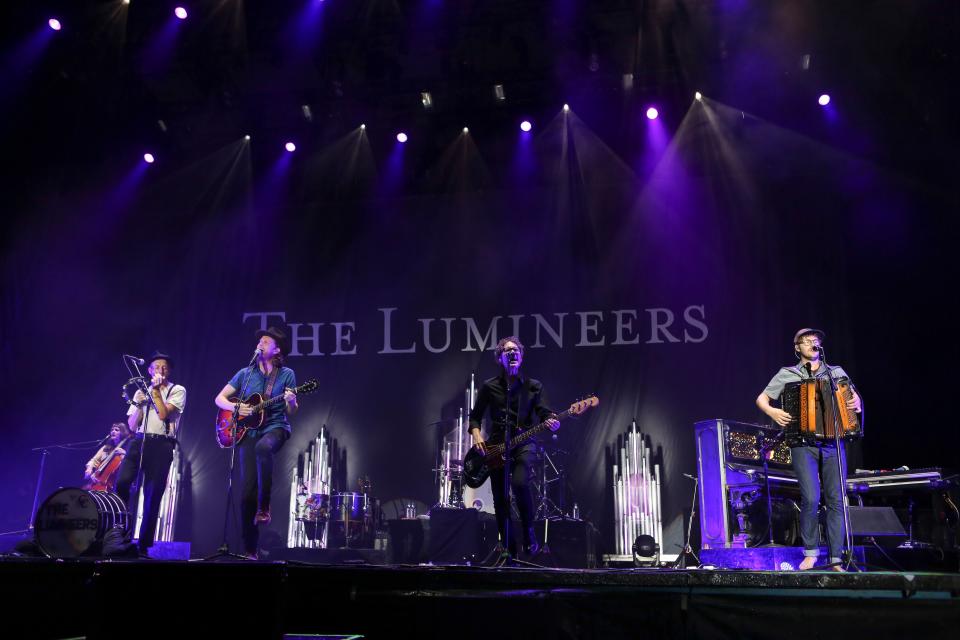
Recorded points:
(171, 394)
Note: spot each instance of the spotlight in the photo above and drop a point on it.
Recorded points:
(246, 138)
(54, 24)
(363, 127)
(525, 126)
(652, 113)
(498, 93)
(646, 551)
(126, 2)
(566, 107)
(824, 100)
(401, 137)
(180, 12)
(426, 99)
(466, 130)
(290, 147)
(148, 158)
(307, 112)
(698, 96)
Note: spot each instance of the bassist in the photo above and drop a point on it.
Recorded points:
(518, 402)
(269, 378)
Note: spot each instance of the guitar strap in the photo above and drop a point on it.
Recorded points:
(270, 381)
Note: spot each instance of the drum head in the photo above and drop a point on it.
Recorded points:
(67, 523)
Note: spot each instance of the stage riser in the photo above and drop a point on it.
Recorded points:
(266, 600)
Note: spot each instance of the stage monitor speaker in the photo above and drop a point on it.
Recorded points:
(572, 543)
(876, 522)
(455, 536)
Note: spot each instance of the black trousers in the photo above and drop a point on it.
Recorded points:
(157, 456)
(521, 475)
(256, 480)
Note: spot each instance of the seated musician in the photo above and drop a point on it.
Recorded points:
(812, 461)
(118, 433)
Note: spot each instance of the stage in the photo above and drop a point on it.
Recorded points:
(61, 599)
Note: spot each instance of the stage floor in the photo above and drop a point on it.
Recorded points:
(125, 598)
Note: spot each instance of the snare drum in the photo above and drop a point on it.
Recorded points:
(72, 522)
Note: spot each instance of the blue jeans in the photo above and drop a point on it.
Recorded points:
(811, 463)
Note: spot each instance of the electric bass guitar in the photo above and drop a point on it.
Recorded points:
(477, 466)
(231, 428)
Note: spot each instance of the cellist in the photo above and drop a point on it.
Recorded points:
(101, 470)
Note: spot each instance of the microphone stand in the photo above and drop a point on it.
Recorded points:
(223, 551)
(766, 447)
(44, 452)
(846, 555)
(140, 381)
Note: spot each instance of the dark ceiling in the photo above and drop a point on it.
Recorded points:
(98, 88)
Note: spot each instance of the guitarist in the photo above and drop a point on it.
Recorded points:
(268, 377)
(118, 433)
(517, 401)
(151, 451)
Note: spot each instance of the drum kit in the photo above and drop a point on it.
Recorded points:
(549, 485)
(344, 520)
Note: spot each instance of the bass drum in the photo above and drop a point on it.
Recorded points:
(73, 522)
(480, 498)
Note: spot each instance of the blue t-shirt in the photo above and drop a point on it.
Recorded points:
(256, 382)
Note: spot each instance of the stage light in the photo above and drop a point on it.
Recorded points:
(148, 158)
(126, 1)
(566, 107)
(498, 93)
(426, 99)
(363, 127)
(307, 112)
(180, 12)
(290, 147)
(698, 96)
(652, 113)
(246, 138)
(401, 137)
(824, 100)
(526, 125)
(162, 125)
(466, 130)
(646, 551)
(54, 24)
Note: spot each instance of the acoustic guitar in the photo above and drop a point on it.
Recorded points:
(230, 431)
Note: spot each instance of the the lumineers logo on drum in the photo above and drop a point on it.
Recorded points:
(56, 516)
(403, 332)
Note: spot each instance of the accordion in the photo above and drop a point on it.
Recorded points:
(811, 403)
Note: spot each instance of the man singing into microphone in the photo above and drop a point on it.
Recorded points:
(268, 377)
(515, 403)
(151, 452)
(811, 462)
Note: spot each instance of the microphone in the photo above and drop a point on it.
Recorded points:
(809, 369)
(139, 361)
(105, 440)
(816, 347)
(256, 354)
